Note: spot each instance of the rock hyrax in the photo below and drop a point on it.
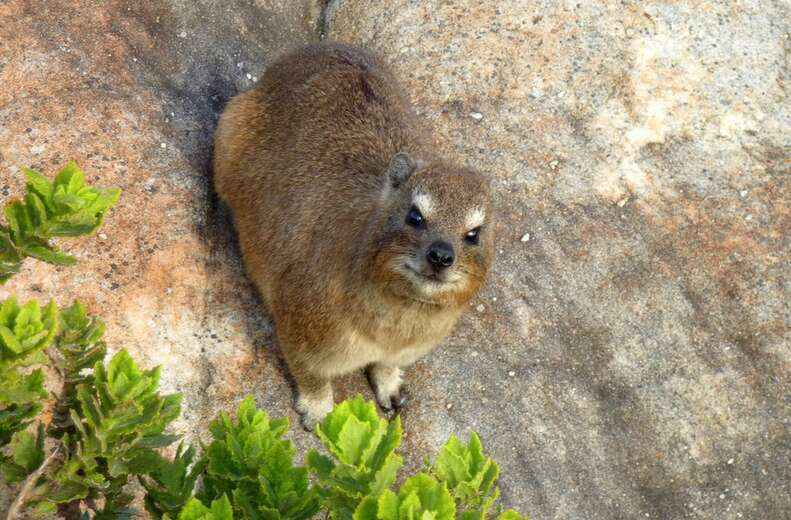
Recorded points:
(365, 247)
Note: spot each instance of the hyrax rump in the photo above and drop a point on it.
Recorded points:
(365, 247)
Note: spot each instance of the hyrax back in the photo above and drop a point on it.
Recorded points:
(363, 244)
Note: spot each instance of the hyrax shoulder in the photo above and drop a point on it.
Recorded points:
(364, 245)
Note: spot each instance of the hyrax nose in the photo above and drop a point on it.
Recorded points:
(440, 255)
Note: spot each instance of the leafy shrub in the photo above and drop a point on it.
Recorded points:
(363, 446)
(470, 476)
(249, 461)
(65, 207)
(25, 331)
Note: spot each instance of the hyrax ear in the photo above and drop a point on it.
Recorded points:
(401, 168)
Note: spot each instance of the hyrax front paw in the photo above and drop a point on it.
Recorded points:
(386, 383)
(312, 410)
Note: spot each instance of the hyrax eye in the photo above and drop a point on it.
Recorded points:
(414, 218)
(473, 236)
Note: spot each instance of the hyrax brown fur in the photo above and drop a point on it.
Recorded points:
(365, 247)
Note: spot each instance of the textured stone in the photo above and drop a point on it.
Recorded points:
(631, 358)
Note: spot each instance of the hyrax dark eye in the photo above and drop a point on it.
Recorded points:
(414, 218)
(473, 236)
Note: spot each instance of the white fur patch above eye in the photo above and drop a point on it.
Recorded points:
(475, 218)
(423, 202)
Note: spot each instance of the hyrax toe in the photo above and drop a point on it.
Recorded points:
(386, 383)
(312, 410)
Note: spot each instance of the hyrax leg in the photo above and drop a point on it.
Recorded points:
(314, 397)
(386, 383)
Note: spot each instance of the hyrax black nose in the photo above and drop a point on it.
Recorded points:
(440, 255)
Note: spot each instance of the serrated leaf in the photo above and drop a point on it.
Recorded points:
(27, 449)
(47, 253)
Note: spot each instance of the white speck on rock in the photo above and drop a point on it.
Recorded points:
(474, 353)
(512, 373)
(553, 164)
(249, 76)
(621, 203)
(731, 461)
(183, 34)
(480, 308)
(476, 115)
(102, 236)
(163, 145)
(743, 193)
(525, 238)
(449, 406)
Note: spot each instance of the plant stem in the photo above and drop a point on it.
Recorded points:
(19, 501)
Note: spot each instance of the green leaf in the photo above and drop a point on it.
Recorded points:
(47, 253)
(38, 184)
(28, 449)
(511, 515)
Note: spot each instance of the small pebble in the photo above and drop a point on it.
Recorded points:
(525, 237)
(249, 76)
(743, 193)
(480, 307)
(512, 373)
(553, 164)
(183, 34)
(474, 353)
(168, 290)
(476, 115)
(748, 217)
(722, 496)
(731, 461)
(163, 145)
(102, 236)
(621, 203)
(449, 406)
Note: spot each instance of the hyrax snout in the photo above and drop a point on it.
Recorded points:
(365, 246)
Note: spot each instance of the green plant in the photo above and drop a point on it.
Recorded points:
(25, 331)
(119, 422)
(420, 498)
(250, 462)
(65, 207)
(469, 475)
(363, 446)
(220, 510)
(169, 486)
(78, 347)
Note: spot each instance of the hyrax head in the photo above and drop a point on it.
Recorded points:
(437, 238)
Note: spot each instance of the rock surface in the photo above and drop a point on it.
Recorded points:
(630, 356)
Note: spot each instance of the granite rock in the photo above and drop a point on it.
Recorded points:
(629, 359)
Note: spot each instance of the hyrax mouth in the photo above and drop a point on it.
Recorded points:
(430, 279)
